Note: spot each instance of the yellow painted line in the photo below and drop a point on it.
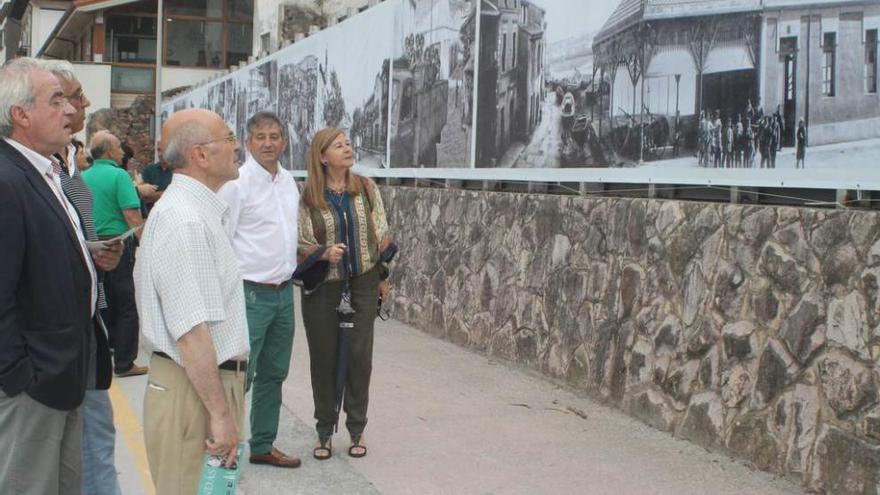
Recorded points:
(127, 423)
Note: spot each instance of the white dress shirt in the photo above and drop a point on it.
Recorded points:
(186, 273)
(44, 168)
(262, 222)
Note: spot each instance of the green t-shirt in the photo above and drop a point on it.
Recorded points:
(113, 191)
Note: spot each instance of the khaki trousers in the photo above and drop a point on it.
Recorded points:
(176, 424)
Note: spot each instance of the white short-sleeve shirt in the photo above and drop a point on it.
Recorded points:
(186, 272)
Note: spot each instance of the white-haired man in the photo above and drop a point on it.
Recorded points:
(48, 291)
(99, 475)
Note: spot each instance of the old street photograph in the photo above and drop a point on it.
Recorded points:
(720, 84)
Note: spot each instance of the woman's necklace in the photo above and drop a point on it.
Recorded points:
(337, 189)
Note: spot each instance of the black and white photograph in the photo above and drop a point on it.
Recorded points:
(329, 80)
(733, 84)
(432, 91)
(721, 89)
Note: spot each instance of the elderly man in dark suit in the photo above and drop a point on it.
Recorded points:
(48, 290)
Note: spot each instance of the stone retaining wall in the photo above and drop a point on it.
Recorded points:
(752, 330)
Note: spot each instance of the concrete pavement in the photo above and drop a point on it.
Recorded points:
(444, 420)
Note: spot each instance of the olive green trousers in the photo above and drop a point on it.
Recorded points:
(322, 331)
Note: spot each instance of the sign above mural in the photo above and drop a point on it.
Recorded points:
(763, 93)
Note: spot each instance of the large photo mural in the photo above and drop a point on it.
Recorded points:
(727, 91)
(432, 92)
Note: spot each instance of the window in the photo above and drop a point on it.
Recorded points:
(828, 63)
(131, 39)
(194, 43)
(197, 8)
(264, 43)
(513, 49)
(243, 9)
(209, 33)
(131, 79)
(871, 61)
(239, 47)
(503, 52)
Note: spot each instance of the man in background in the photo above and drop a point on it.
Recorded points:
(156, 179)
(99, 476)
(116, 210)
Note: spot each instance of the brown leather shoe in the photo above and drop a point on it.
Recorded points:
(135, 370)
(276, 458)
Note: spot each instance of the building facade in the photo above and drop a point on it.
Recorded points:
(811, 60)
(820, 65)
(280, 21)
(510, 76)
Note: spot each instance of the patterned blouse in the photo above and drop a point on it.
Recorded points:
(359, 222)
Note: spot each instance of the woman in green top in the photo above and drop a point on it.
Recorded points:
(342, 254)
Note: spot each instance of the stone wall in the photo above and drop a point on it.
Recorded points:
(751, 330)
(131, 125)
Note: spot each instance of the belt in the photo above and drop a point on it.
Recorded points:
(270, 286)
(231, 365)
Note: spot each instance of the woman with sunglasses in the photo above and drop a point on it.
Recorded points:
(343, 251)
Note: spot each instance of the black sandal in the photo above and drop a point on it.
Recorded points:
(324, 450)
(356, 444)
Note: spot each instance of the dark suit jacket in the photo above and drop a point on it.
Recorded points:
(45, 290)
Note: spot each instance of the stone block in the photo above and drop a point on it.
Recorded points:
(740, 340)
(693, 300)
(829, 233)
(681, 381)
(803, 331)
(700, 337)
(703, 422)
(783, 270)
(651, 407)
(776, 370)
(874, 254)
(669, 216)
(728, 294)
(751, 438)
(765, 304)
(840, 266)
(796, 421)
(757, 226)
(847, 384)
(630, 291)
(736, 384)
(845, 464)
(846, 324)
(667, 337)
(639, 362)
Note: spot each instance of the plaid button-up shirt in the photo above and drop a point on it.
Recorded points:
(186, 272)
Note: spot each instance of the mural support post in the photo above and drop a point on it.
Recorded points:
(157, 97)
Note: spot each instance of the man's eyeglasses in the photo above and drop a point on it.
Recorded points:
(229, 139)
(76, 98)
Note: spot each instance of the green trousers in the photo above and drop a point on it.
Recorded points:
(270, 323)
(322, 326)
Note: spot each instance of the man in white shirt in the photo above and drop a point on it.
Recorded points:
(191, 305)
(262, 224)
